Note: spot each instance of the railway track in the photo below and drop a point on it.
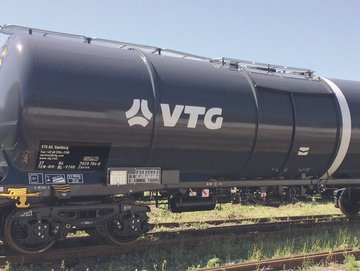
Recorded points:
(288, 263)
(168, 238)
(247, 220)
(250, 222)
(246, 226)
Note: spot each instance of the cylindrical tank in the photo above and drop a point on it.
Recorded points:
(178, 204)
(134, 109)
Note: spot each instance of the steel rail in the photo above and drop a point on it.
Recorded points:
(256, 228)
(245, 220)
(290, 262)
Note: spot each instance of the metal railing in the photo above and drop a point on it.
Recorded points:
(220, 62)
(262, 67)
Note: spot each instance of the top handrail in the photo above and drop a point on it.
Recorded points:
(12, 29)
(223, 61)
(245, 64)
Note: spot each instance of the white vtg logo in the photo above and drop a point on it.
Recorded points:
(134, 110)
(212, 116)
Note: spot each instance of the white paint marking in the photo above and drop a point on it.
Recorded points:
(303, 151)
(345, 129)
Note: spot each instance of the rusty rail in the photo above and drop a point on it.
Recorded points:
(247, 220)
(289, 263)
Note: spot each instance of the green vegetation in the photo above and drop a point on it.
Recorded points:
(231, 211)
(225, 249)
(350, 263)
(322, 267)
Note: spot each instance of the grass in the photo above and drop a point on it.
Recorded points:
(231, 211)
(228, 249)
(224, 249)
(350, 263)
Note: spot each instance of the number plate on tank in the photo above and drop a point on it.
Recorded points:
(123, 176)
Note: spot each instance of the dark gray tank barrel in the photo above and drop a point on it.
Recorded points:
(207, 120)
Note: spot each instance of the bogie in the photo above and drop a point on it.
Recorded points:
(35, 230)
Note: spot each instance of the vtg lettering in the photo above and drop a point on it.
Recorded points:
(212, 117)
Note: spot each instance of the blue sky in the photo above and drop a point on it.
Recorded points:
(323, 35)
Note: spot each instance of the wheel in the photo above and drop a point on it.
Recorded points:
(26, 234)
(348, 202)
(124, 229)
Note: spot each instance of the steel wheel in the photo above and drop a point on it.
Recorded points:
(123, 230)
(348, 202)
(27, 235)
